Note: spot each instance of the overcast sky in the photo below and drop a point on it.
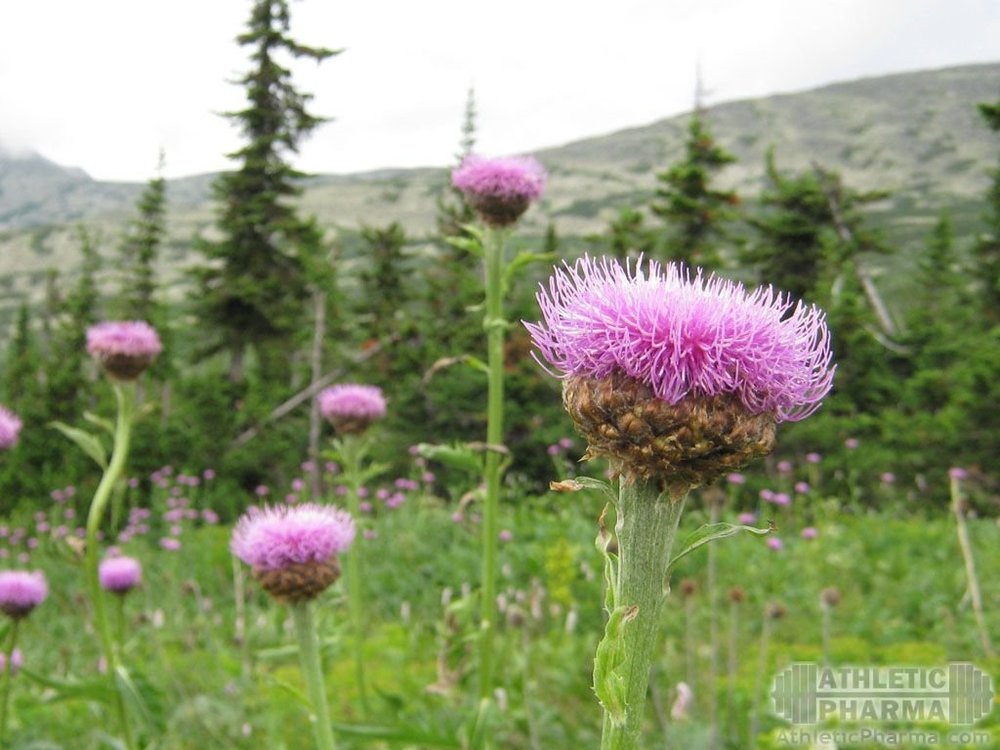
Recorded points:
(104, 84)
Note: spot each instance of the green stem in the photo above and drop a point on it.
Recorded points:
(125, 396)
(352, 451)
(7, 675)
(312, 671)
(646, 527)
(494, 325)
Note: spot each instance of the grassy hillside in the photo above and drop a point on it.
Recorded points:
(916, 134)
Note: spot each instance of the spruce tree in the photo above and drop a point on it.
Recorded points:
(987, 250)
(694, 212)
(253, 291)
(453, 211)
(810, 227)
(384, 287)
(140, 250)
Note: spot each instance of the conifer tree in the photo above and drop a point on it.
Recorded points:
(385, 289)
(23, 363)
(627, 235)
(453, 211)
(694, 212)
(253, 292)
(810, 227)
(139, 252)
(987, 248)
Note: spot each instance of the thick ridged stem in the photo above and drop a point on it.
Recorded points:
(6, 680)
(312, 672)
(125, 396)
(715, 509)
(352, 451)
(646, 526)
(494, 325)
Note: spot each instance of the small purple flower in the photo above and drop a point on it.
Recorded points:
(124, 348)
(10, 428)
(736, 479)
(746, 519)
(351, 408)
(21, 591)
(208, 474)
(365, 506)
(209, 516)
(506, 535)
(802, 488)
(298, 485)
(370, 534)
(958, 473)
(775, 543)
(554, 449)
(262, 490)
(781, 498)
(500, 190)
(810, 532)
(682, 335)
(170, 544)
(119, 575)
(566, 443)
(813, 458)
(887, 477)
(784, 467)
(852, 444)
(767, 495)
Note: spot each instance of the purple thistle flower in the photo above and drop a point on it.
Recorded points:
(350, 407)
(21, 591)
(293, 550)
(10, 428)
(681, 335)
(852, 444)
(124, 348)
(784, 467)
(810, 532)
(735, 478)
(500, 190)
(170, 544)
(887, 477)
(957, 472)
(279, 536)
(505, 535)
(802, 488)
(119, 575)
(781, 498)
(747, 518)
(775, 543)
(813, 458)
(554, 449)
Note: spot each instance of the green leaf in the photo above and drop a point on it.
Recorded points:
(522, 260)
(584, 483)
(609, 680)
(88, 443)
(397, 735)
(131, 696)
(96, 690)
(105, 424)
(709, 533)
(457, 456)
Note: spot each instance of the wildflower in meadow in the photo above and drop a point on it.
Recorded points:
(351, 408)
(499, 190)
(21, 591)
(676, 379)
(120, 574)
(124, 348)
(293, 552)
(810, 532)
(10, 428)
(16, 661)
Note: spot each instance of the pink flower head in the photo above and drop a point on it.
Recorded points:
(781, 498)
(21, 591)
(124, 348)
(735, 478)
(810, 532)
(852, 444)
(813, 458)
(775, 543)
(500, 190)
(682, 335)
(957, 472)
(351, 407)
(887, 477)
(276, 537)
(747, 518)
(802, 488)
(784, 467)
(505, 535)
(119, 575)
(10, 428)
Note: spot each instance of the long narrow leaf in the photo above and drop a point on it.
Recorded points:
(88, 443)
(709, 533)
